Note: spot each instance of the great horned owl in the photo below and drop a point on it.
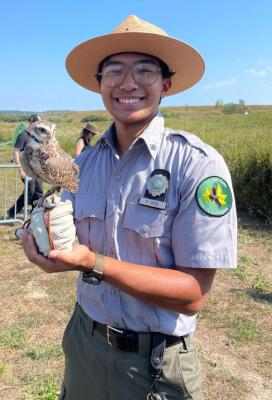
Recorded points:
(44, 159)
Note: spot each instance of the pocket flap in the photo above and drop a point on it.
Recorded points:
(147, 221)
(89, 205)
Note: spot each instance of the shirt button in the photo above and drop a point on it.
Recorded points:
(110, 213)
(146, 228)
(117, 177)
(112, 291)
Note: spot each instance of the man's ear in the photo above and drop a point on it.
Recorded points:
(166, 85)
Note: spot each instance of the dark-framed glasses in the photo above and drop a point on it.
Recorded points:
(142, 73)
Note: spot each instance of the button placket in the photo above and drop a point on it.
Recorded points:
(111, 216)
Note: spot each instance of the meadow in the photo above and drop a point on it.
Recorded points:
(233, 337)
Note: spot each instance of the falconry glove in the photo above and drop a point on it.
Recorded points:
(52, 225)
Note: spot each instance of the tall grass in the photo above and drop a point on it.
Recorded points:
(245, 141)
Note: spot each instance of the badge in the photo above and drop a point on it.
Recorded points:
(214, 197)
(156, 189)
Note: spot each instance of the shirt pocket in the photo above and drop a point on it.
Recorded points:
(150, 231)
(90, 220)
(147, 221)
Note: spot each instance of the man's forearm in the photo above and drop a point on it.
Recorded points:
(167, 288)
(16, 156)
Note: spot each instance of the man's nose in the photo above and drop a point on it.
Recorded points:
(129, 82)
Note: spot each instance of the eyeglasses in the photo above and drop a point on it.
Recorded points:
(142, 73)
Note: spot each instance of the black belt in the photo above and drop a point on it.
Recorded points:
(128, 340)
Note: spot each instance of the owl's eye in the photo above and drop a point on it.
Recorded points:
(42, 130)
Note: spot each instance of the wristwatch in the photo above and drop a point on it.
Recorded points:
(94, 277)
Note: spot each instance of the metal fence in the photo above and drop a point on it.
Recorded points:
(9, 193)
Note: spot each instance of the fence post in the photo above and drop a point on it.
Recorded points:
(6, 184)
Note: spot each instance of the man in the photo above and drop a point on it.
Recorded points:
(35, 187)
(155, 218)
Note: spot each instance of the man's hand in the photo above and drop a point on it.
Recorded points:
(79, 259)
(22, 173)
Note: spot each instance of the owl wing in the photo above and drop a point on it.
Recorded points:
(26, 165)
(62, 171)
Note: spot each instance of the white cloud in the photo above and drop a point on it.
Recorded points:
(220, 84)
(258, 72)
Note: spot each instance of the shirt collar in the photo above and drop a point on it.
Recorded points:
(151, 136)
(107, 139)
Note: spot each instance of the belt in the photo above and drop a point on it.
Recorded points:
(128, 340)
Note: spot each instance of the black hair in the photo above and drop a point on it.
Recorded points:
(84, 136)
(166, 72)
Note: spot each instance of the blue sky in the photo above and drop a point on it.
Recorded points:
(234, 38)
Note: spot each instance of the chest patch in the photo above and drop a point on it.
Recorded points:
(214, 197)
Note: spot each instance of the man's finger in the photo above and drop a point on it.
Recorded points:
(60, 255)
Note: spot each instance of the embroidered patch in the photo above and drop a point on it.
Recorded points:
(214, 197)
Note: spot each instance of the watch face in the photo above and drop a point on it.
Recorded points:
(91, 277)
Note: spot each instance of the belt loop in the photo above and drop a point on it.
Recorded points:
(186, 343)
(87, 320)
(91, 323)
(144, 344)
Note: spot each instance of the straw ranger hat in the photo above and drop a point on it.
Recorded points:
(91, 128)
(136, 35)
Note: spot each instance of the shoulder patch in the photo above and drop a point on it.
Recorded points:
(213, 196)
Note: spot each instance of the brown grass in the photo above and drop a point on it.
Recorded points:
(233, 335)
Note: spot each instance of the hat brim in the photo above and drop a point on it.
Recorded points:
(90, 131)
(82, 62)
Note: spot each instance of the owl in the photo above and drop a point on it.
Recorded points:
(44, 159)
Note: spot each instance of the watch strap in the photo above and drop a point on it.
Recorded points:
(99, 264)
(94, 277)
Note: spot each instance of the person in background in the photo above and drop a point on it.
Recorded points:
(84, 141)
(155, 217)
(35, 186)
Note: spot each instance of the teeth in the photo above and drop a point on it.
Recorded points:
(129, 101)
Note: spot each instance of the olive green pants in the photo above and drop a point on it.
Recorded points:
(95, 370)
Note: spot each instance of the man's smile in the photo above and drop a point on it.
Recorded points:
(129, 100)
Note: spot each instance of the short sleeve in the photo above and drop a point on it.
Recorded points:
(21, 141)
(204, 239)
(68, 196)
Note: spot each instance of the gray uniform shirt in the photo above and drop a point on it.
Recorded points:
(110, 220)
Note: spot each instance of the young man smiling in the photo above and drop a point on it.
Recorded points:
(132, 103)
(155, 218)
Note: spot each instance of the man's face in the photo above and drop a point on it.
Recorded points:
(131, 101)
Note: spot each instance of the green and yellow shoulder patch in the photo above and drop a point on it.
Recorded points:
(213, 195)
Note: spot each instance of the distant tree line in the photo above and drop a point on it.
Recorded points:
(95, 118)
(232, 108)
